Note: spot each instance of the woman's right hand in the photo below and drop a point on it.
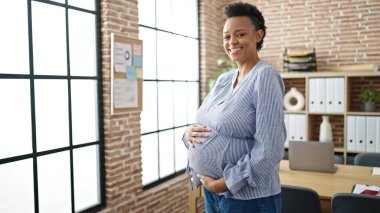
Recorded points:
(194, 132)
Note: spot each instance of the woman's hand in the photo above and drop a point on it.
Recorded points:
(212, 184)
(194, 132)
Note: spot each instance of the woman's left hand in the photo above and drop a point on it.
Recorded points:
(213, 185)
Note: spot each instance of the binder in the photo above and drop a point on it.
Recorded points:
(300, 127)
(293, 127)
(339, 94)
(330, 95)
(360, 137)
(321, 94)
(371, 141)
(378, 133)
(312, 94)
(351, 130)
(286, 120)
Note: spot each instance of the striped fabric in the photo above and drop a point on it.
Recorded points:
(247, 136)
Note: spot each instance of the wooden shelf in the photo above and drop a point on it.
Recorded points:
(326, 113)
(354, 83)
(297, 112)
(327, 74)
(364, 113)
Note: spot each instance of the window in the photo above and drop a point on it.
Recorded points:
(169, 30)
(51, 149)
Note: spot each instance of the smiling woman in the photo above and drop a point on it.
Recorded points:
(238, 138)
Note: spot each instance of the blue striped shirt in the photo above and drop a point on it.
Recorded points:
(247, 136)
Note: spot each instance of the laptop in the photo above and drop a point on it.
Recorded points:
(311, 156)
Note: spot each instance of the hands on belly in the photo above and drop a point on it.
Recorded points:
(213, 185)
(195, 132)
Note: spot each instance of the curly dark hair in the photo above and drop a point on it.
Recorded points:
(251, 11)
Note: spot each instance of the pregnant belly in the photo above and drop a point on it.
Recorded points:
(208, 157)
(211, 156)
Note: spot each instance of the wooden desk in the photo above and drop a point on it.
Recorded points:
(325, 184)
(328, 184)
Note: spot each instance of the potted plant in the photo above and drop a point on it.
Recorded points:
(225, 65)
(369, 97)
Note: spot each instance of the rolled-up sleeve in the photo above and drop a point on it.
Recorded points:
(270, 135)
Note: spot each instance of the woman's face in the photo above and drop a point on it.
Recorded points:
(240, 39)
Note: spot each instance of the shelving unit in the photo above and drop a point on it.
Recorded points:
(354, 83)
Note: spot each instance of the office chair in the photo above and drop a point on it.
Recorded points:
(296, 199)
(367, 159)
(355, 203)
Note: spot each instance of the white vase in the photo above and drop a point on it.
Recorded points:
(325, 130)
(294, 93)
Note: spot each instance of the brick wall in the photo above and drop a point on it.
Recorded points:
(124, 190)
(341, 32)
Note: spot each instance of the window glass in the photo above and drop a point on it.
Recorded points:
(165, 105)
(180, 104)
(166, 153)
(14, 51)
(149, 51)
(149, 154)
(82, 43)
(192, 101)
(180, 149)
(16, 186)
(166, 55)
(52, 114)
(149, 111)
(86, 177)
(147, 13)
(85, 4)
(54, 185)
(84, 111)
(49, 39)
(15, 120)
(164, 14)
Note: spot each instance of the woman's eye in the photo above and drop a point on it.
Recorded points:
(226, 37)
(239, 35)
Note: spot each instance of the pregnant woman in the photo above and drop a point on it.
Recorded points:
(238, 139)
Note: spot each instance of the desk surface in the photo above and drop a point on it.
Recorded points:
(327, 184)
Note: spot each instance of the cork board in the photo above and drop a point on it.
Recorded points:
(126, 74)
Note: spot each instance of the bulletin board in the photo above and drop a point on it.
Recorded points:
(126, 74)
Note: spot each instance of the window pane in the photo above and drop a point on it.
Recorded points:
(149, 154)
(165, 105)
(147, 13)
(14, 51)
(166, 55)
(15, 121)
(180, 105)
(49, 49)
(149, 112)
(84, 111)
(191, 58)
(190, 16)
(60, 1)
(149, 50)
(82, 43)
(192, 101)
(180, 149)
(164, 14)
(166, 153)
(85, 4)
(54, 186)
(52, 115)
(185, 17)
(86, 177)
(16, 187)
